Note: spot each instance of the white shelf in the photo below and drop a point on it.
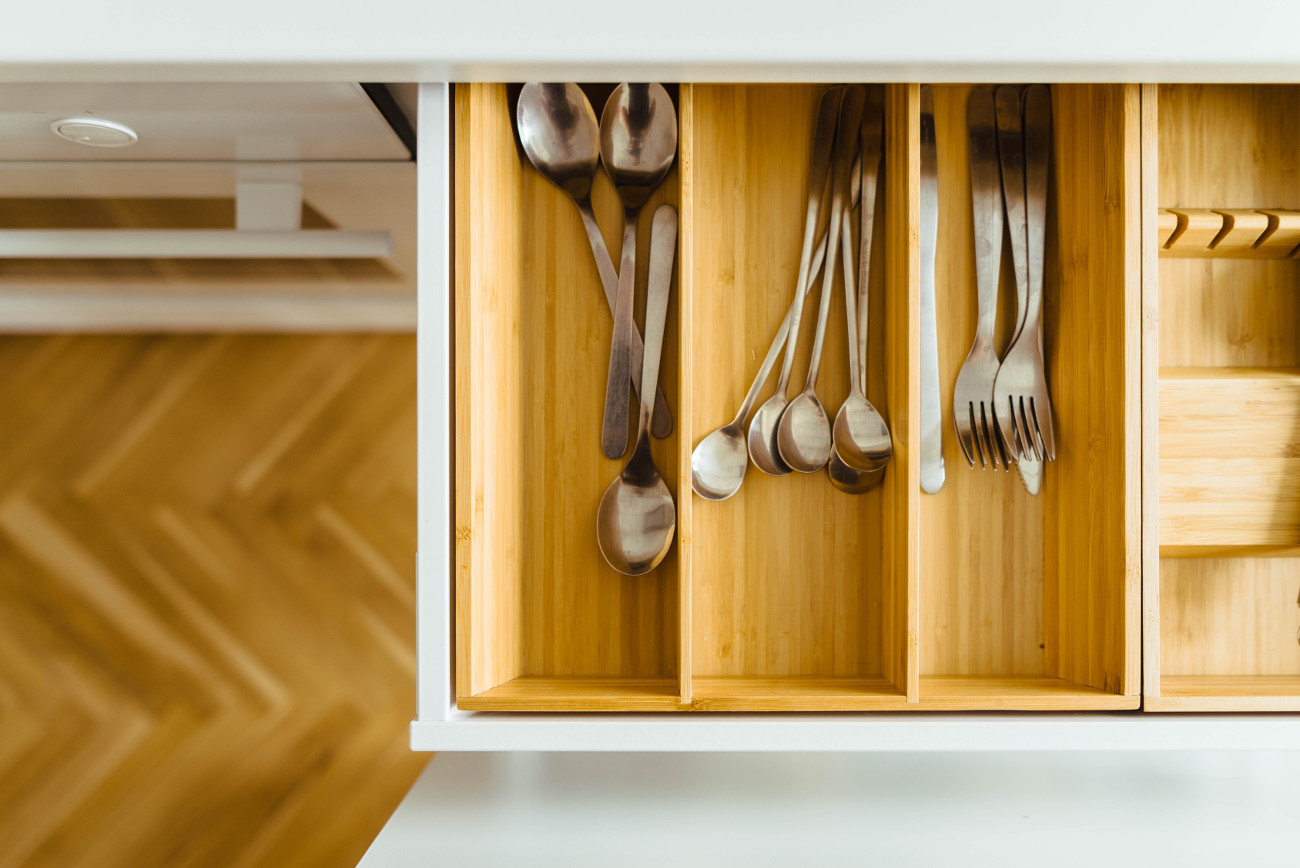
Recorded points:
(778, 810)
(497, 40)
(885, 732)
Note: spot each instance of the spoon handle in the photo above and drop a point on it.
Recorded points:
(850, 303)
(661, 425)
(765, 369)
(663, 247)
(823, 138)
(613, 438)
(845, 148)
(873, 151)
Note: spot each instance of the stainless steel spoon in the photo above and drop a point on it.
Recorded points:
(719, 461)
(804, 433)
(763, 448)
(636, 519)
(638, 143)
(848, 479)
(558, 130)
(861, 437)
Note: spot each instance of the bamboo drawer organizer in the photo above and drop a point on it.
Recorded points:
(1223, 400)
(1158, 567)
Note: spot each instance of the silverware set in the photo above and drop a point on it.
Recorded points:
(1002, 409)
(636, 142)
(796, 434)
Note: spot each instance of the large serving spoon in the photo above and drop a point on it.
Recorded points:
(558, 130)
(638, 142)
(636, 519)
(763, 448)
(804, 433)
(861, 437)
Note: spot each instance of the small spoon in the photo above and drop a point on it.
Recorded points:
(719, 461)
(861, 436)
(560, 135)
(763, 448)
(804, 433)
(848, 479)
(851, 481)
(638, 143)
(637, 519)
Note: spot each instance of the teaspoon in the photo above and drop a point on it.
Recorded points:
(804, 433)
(636, 519)
(638, 143)
(763, 448)
(558, 130)
(848, 479)
(719, 461)
(861, 437)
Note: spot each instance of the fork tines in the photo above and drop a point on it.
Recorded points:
(973, 409)
(1001, 408)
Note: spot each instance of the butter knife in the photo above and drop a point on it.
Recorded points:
(932, 472)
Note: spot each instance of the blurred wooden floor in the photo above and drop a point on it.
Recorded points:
(207, 623)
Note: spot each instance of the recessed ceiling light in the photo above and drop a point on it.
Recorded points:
(94, 132)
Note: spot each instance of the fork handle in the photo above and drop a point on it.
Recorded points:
(1038, 146)
(986, 199)
(1011, 155)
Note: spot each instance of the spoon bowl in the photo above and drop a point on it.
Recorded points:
(559, 133)
(718, 464)
(764, 449)
(849, 480)
(861, 436)
(804, 435)
(638, 140)
(636, 520)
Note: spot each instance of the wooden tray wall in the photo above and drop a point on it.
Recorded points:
(790, 596)
(1222, 621)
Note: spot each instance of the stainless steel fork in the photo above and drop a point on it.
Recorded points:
(972, 399)
(1022, 404)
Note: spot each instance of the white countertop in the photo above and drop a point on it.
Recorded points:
(688, 40)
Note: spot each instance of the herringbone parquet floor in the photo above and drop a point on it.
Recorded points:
(207, 593)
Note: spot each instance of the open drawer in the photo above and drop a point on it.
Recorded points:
(791, 596)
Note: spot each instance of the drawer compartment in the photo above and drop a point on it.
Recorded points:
(542, 622)
(1031, 601)
(1222, 612)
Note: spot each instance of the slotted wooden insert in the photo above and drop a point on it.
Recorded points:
(1222, 615)
(799, 591)
(1239, 233)
(538, 611)
(1031, 602)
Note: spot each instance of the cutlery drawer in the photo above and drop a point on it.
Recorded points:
(790, 596)
(1222, 573)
